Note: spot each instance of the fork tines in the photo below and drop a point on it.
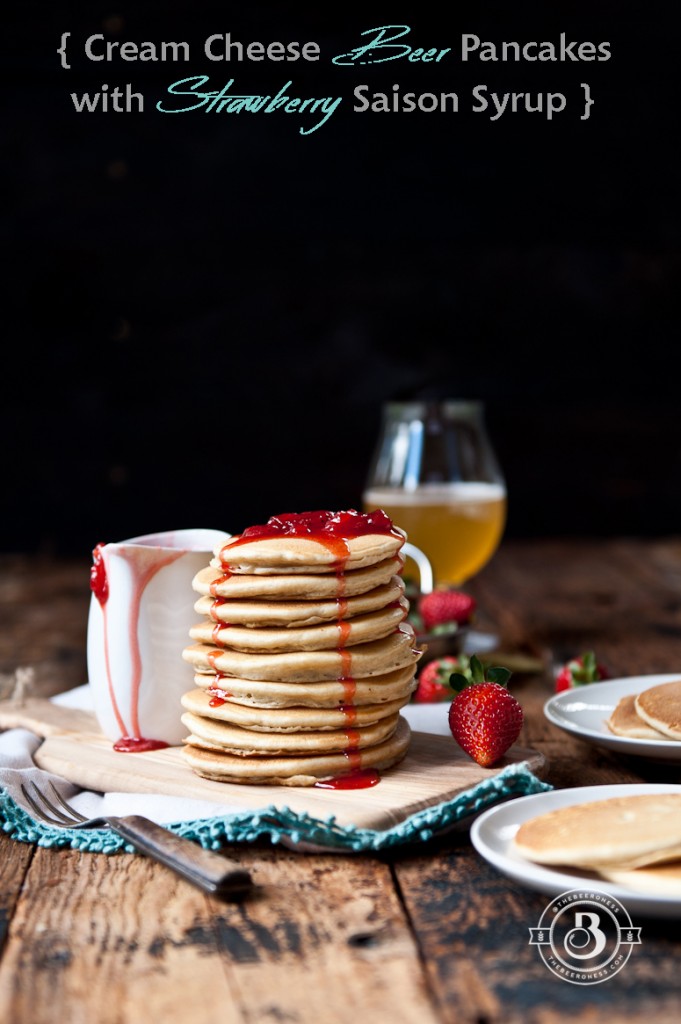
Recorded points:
(49, 811)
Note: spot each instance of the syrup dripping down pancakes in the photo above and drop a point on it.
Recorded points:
(303, 658)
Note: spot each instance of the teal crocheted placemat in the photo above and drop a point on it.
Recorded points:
(277, 824)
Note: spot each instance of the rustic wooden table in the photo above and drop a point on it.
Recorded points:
(432, 934)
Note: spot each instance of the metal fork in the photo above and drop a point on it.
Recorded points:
(210, 871)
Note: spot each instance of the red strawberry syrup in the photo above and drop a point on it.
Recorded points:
(331, 529)
(364, 778)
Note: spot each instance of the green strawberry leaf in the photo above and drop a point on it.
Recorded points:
(589, 661)
(458, 682)
(477, 671)
(585, 670)
(474, 672)
(498, 675)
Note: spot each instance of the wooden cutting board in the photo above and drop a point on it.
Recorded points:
(434, 770)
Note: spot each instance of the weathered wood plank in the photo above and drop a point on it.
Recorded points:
(14, 862)
(327, 940)
(114, 939)
(472, 926)
(44, 607)
(620, 598)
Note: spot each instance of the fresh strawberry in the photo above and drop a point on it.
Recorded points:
(580, 671)
(443, 606)
(434, 679)
(485, 719)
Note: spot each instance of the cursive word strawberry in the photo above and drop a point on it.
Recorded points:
(441, 607)
(434, 679)
(581, 671)
(484, 718)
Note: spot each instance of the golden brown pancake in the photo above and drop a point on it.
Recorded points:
(289, 554)
(328, 694)
(660, 880)
(330, 636)
(625, 721)
(297, 770)
(647, 859)
(291, 614)
(604, 832)
(660, 707)
(393, 652)
(297, 719)
(248, 742)
(281, 587)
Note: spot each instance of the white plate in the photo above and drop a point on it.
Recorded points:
(493, 832)
(583, 710)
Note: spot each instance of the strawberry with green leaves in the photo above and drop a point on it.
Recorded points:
(581, 671)
(434, 679)
(484, 718)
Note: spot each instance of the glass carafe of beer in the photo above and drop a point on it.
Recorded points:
(435, 474)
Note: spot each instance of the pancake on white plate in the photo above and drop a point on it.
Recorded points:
(660, 707)
(626, 721)
(659, 880)
(620, 831)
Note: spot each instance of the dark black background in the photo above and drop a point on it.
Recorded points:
(205, 311)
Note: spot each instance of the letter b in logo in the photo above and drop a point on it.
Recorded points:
(586, 939)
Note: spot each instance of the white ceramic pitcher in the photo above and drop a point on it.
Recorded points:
(141, 611)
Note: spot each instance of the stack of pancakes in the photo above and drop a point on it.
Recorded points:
(654, 714)
(303, 659)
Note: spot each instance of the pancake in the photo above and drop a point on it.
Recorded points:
(290, 719)
(625, 721)
(661, 880)
(660, 707)
(213, 581)
(393, 652)
(329, 694)
(345, 633)
(248, 742)
(645, 860)
(604, 832)
(292, 770)
(299, 613)
(292, 554)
